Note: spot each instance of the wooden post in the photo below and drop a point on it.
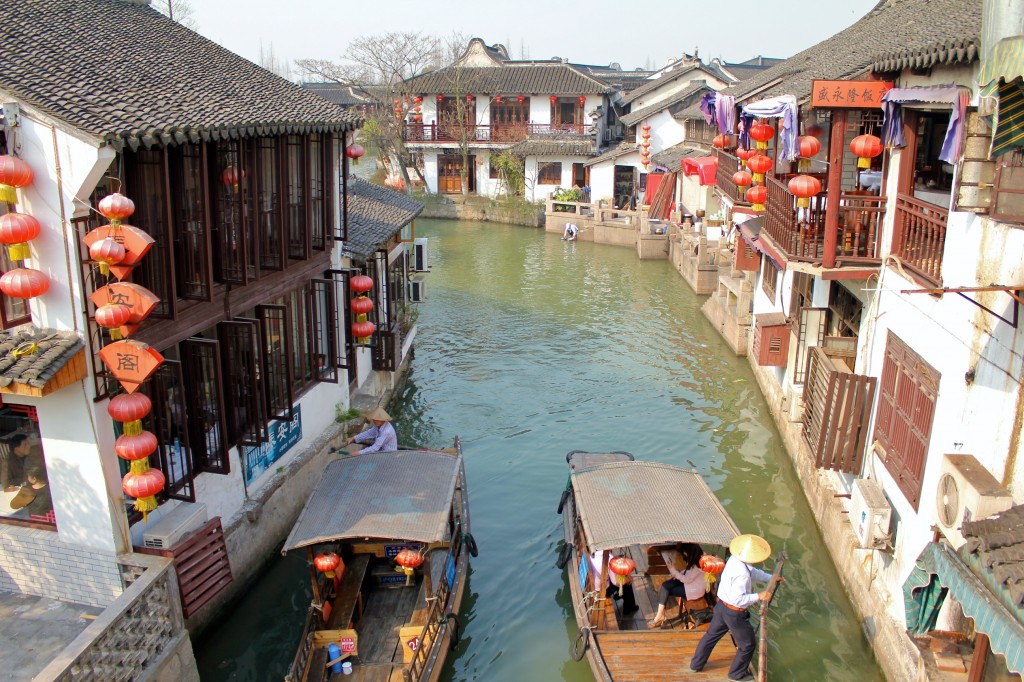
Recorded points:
(836, 147)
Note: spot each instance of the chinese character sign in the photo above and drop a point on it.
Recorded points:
(283, 435)
(131, 362)
(848, 94)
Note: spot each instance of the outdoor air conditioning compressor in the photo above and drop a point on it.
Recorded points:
(967, 491)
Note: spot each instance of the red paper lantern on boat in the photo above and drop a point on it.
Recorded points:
(803, 187)
(130, 408)
(808, 147)
(759, 164)
(865, 147)
(135, 447)
(360, 283)
(24, 283)
(14, 173)
(521, 98)
(361, 305)
(757, 195)
(328, 563)
(582, 100)
(116, 207)
(721, 141)
(362, 331)
(143, 486)
(709, 563)
(107, 251)
(742, 178)
(621, 566)
(354, 152)
(113, 316)
(15, 230)
(409, 560)
(761, 133)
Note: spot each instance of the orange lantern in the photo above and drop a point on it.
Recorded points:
(363, 330)
(354, 152)
(328, 563)
(742, 178)
(582, 100)
(808, 147)
(136, 242)
(116, 207)
(744, 154)
(757, 195)
(409, 560)
(130, 408)
(131, 362)
(553, 98)
(360, 283)
(107, 251)
(139, 300)
(721, 141)
(621, 566)
(143, 486)
(138, 446)
(15, 230)
(761, 133)
(865, 147)
(803, 187)
(646, 127)
(759, 164)
(113, 316)
(24, 283)
(361, 305)
(14, 173)
(712, 566)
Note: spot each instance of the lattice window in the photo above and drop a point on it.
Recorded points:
(769, 279)
(276, 350)
(204, 389)
(319, 182)
(14, 311)
(231, 218)
(146, 183)
(1008, 193)
(191, 235)
(168, 422)
(296, 181)
(270, 236)
(549, 173)
(243, 387)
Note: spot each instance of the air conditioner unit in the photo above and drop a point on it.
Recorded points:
(870, 513)
(175, 525)
(967, 491)
(417, 292)
(419, 255)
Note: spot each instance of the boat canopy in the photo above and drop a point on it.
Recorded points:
(405, 495)
(648, 503)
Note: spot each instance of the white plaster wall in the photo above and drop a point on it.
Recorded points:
(535, 192)
(665, 131)
(430, 169)
(540, 109)
(602, 181)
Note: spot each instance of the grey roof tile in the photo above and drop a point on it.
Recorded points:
(342, 95)
(535, 147)
(615, 152)
(124, 73)
(672, 157)
(54, 349)
(375, 214)
(543, 78)
(683, 96)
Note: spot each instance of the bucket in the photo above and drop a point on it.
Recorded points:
(346, 668)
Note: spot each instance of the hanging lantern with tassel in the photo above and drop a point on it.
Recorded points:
(24, 283)
(107, 251)
(757, 195)
(622, 567)
(742, 178)
(721, 141)
(759, 164)
(866, 147)
(355, 152)
(116, 207)
(14, 174)
(330, 564)
(16, 229)
(130, 408)
(762, 133)
(112, 317)
(409, 560)
(808, 147)
(803, 187)
(144, 484)
(712, 566)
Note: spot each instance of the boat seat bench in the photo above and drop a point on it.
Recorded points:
(349, 592)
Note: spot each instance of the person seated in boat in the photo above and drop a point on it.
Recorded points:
(570, 232)
(687, 581)
(734, 596)
(381, 435)
(611, 590)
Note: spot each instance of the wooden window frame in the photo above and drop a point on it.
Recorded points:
(907, 392)
(276, 358)
(544, 170)
(241, 353)
(206, 415)
(295, 198)
(769, 285)
(319, 192)
(168, 421)
(1010, 160)
(233, 212)
(322, 323)
(193, 263)
(271, 237)
(9, 313)
(345, 349)
(147, 179)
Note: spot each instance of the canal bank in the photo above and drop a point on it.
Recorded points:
(531, 347)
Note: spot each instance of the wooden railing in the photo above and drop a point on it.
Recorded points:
(727, 167)
(499, 132)
(700, 131)
(860, 223)
(919, 236)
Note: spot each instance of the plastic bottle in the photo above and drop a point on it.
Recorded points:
(333, 652)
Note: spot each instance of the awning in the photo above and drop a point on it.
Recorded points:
(704, 167)
(991, 617)
(751, 233)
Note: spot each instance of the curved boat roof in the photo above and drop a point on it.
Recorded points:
(405, 495)
(648, 503)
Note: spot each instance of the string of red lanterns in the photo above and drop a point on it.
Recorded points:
(135, 446)
(16, 230)
(362, 328)
(645, 145)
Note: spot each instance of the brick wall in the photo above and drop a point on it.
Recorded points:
(35, 561)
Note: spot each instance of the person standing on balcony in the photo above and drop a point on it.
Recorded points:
(382, 433)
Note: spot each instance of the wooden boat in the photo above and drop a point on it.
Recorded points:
(618, 506)
(388, 625)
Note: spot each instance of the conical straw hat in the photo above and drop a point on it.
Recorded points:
(750, 549)
(378, 414)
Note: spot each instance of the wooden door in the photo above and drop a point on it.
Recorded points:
(449, 174)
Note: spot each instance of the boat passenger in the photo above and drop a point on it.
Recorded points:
(687, 580)
(382, 433)
(570, 232)
(611, 591)
(734, 596)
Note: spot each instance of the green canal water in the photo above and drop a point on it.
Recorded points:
(530, 347)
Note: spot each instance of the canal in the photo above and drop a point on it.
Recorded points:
(530, 347)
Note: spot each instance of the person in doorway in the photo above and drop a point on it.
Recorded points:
(611, 591)
(42, 503)
(15, 464)
(570, 232)
(734, 596)
(687, 581)
(382, 433)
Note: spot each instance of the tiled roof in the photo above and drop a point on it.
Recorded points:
(668, 77)
(690, 112)
(535, 147)
(122, 72)
(342, 95)
(635, 117)
(54, 349)
(915, 25)
(621, 149)
(543, 78)
(961, 49)
(623, 80)
(998, 542)
(375, 214)
(672, 157)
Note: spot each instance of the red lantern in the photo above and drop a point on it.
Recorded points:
(645, 127)
(469, 98)
(582, 100)
(803, 187)
(14, 173)
(362, 331)
(721, 141)
(744, 154)
(553, 98)
(497, 99)
(112, 316)
(440, 98)
(231, 177)
(757, 195)
(418, 99)
(709, 563)
(621, 566)
(354, 152)
(815, 131)
(328, 563)
(808, 148)
(360, 283)
(143, 486)
(116, 207)
(742, 178)
(759, 164)
(107, 251)
(409, 560)
(135, 447)
(865, 147)
(361, 305)
(130, 408)
(521, 98)
(15, 230)
(24, 283)
(761, 133)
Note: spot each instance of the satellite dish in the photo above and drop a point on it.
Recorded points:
(947, 501)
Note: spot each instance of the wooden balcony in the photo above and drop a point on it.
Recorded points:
(700, 131)
(501, 133)
(800, 233)
(727, 167)
(919, 237)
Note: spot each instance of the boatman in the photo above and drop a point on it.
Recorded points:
(734, 596)
(382, 433)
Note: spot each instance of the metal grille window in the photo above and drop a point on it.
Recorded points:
(295, 182)
(323, 329)
(205, 403)
(844, 312)
(229, 212)
(168, 422)
(549, 172)
(318, 179)
(270, 235)
(906, 406)
(146, 172)
(301, 355)
(243, 385)
(191, 237)
(276, 354)
(1008, 190)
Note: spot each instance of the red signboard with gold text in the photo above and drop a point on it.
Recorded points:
(849, 94)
